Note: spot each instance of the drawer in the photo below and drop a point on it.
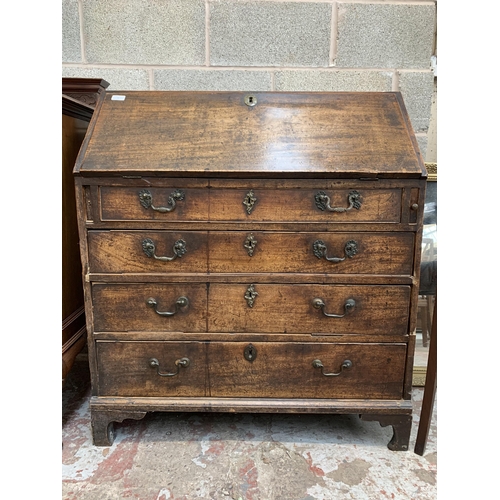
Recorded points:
(126, 369)
(346, 205)
(180, 307)
(278, 369)
(335, 253)
(286, 370)
(253, 201)
(147, 251)
(293, 308)
(254, 308)
(160, 204)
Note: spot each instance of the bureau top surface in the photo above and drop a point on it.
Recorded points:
(203, 134)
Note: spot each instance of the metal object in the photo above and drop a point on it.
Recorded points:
(250, 100)
(250, 244)
(146, 199)
(249, 201)
(346, 364)
(348, 306)
(149, 248)
(182, 362)
(414, 207)
(323, 202)
(180, 302)
(350, 250)
(251, 295)
(250, 353)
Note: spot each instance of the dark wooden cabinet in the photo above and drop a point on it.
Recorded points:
(251, 253)
(79, 97)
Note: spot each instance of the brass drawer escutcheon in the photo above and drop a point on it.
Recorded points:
(146, 199)
(149, 248)
(249, 201)
(323, 202)
(346, 364)
(182, 362)
(320, 250)
(348, 306)
(180, 302)
(251, 295)
(250, 244)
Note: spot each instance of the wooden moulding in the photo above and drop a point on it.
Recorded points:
(71, 349)
(253, 405)
(105, 411)
(84, 90)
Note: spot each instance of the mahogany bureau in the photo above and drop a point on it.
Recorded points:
(250, 253)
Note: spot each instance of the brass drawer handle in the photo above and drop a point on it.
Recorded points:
(323, 202)
(350, 250)
(154, 363)
(348, 306)
(146, 199)
(180, 302)
(149, 248)
(346, 364)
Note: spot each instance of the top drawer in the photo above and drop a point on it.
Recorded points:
(256, 201)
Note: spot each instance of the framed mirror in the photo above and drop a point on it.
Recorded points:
(428, 278)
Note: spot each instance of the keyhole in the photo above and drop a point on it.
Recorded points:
(250, 100)
(250, 353)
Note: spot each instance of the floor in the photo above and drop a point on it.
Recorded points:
(184, 456)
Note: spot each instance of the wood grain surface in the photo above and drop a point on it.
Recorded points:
(214, 133)
(219, 369)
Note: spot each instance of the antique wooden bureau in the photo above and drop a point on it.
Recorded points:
(250, 253)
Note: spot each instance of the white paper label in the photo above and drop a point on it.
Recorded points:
(118, 97)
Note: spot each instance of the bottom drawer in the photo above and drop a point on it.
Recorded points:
(260, 369)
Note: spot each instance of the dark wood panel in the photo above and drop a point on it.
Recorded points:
(279, 205)
(125, 203)
(125, 369)
(363, 253)
(286, 370)
(73, 132)
(279, 370)
(123, 308)
(289, 309)
(123, 251)
(211, 133)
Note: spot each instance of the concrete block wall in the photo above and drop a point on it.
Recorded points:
(263, 45)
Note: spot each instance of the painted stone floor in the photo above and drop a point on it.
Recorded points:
(216, 456)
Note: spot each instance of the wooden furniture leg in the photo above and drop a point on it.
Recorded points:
(429, 389)
(102, 424)
(401, 425)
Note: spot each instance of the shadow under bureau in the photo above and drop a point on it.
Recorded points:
(250, 253)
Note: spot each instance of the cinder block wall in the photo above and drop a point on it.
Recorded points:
(266, 45)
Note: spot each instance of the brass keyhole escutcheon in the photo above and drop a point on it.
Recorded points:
(250, 100)
(250, 353)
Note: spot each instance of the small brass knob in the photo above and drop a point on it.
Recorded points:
(414, 206)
